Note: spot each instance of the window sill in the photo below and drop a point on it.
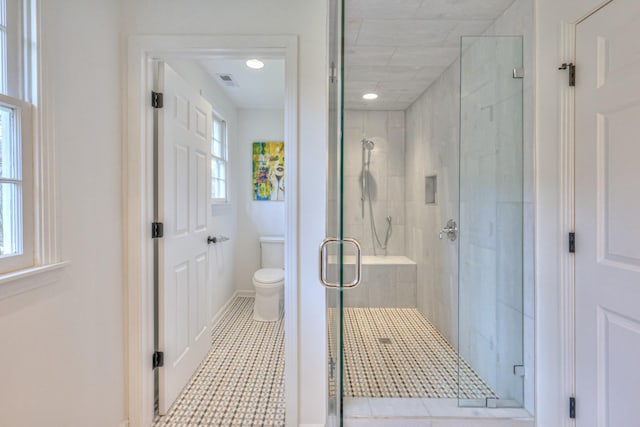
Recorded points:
(17, 282)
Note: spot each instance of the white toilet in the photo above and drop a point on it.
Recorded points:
(269, 280)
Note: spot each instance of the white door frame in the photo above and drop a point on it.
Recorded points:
(566, 333)
(138, 204)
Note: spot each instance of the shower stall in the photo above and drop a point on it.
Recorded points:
(438, 195)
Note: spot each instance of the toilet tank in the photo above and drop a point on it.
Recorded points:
(272, 251)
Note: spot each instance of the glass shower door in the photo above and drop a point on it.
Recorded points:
(490, 257)
(331, 259)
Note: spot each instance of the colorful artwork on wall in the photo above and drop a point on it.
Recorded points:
(268, 171)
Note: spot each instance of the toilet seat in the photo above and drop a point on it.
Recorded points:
(268, 277)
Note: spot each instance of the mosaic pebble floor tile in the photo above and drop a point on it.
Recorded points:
(397, 352)
(389, 352)
(241, 381)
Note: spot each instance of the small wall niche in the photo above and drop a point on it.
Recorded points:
(430, 189)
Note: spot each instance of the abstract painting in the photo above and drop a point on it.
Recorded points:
(268, 171)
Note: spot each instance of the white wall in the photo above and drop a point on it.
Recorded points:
(256, 218)
(62, 357)
(307, 20)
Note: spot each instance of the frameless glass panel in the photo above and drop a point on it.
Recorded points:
(490, 266)
(334, 215)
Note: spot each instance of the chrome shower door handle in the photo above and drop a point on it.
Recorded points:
(323, 263)
(358, 277)
(451, 230)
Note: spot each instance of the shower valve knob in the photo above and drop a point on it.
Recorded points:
(450, 230)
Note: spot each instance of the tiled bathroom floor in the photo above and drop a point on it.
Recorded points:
(241, 382)
(396, 353)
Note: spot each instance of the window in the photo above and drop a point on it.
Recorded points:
(219, 161)
(16, 136)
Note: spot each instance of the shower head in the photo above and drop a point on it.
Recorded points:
(368, 144)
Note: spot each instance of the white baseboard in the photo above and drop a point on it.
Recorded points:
(311, 425)
(216, 318)
(244, 293)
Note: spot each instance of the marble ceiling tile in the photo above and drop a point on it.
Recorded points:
(407, 32)
(463, 9)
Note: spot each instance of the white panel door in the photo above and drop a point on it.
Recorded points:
(607, 260)
(184, 144)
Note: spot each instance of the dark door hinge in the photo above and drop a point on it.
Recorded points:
(157, 99)
(572, 242)
(572, 407)
(157, 230)
(158, 359)
(572, 72)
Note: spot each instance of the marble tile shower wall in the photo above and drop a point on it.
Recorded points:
(386, 129)
(432, 149)
(432, 124)
(384, 286)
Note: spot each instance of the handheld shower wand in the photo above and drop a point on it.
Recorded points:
(367, 148)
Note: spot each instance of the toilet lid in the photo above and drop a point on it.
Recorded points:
(269, 275)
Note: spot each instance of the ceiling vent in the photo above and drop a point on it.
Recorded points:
(227, 80)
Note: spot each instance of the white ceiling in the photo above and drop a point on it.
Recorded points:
(263, 88)
(397, 48)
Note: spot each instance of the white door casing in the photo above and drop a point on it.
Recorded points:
(607, 215)
(184, 135)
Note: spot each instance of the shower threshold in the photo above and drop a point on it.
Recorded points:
(421, 411)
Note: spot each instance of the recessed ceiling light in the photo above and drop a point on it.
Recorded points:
(370, 96)
(256, 64)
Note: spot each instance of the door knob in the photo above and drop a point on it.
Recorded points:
(216, 239)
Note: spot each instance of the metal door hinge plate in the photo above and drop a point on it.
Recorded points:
(157, 100)
(518, 73)
(572, 242)
(572, 407)
(572, 72)
(158, 359)
(157, 230)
